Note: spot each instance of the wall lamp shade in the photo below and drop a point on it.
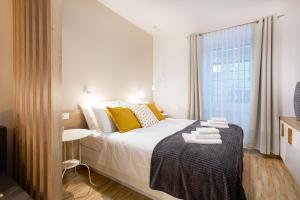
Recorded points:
(297, 101)
(86, 91)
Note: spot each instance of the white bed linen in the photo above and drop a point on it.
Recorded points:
(130, 153)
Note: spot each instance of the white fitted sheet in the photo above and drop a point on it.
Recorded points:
(130, 153)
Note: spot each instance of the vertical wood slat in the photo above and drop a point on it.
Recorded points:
(33, 100)
(27, 71)
(56, 82)
(15, 75)
(37, 87)
(22, 93)
(41, 130)
(37, 103)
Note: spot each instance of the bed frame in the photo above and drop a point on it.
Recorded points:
(77, 120)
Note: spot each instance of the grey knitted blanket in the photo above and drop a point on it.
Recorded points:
(199, 171)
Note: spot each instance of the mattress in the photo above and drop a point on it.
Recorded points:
(130, 153)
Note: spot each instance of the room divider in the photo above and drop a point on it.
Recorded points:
(37, 97)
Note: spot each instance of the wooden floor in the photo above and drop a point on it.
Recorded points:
(268, 179)
(77, 187)
(264, 178)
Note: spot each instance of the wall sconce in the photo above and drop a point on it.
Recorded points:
(86, 91)
(138, 98)
(89, 98)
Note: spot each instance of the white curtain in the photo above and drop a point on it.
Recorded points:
(226, 75)
(264, 134)
(195, 110)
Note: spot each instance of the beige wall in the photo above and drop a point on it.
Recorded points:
(105, 53)
(6, 70)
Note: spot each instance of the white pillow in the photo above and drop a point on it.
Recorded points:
(144, 115)
(90, 117)
(104, 120)
(104, 104)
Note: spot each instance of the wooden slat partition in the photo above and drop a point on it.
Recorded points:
(37, 97)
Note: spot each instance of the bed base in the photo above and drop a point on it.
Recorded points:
(136, 185)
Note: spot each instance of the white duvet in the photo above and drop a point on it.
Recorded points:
(130, 153)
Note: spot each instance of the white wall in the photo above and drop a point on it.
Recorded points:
(290, 56)
(6, 71)
(286, 65)
(171, 55)
(103, 52)
(171, 74)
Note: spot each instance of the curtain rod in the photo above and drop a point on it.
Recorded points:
(256, 21)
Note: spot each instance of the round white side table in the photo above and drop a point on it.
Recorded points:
(72, 135)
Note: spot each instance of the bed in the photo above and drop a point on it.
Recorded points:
(126, 158)
(135, 158)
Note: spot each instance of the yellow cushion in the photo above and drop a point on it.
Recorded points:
(123, 118)
(155, 111)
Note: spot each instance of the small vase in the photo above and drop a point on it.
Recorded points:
(297, 101)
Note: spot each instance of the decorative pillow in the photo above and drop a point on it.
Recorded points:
(144, 115)
(90, 117)
(155, 111)
(104, 120)
(123, 118)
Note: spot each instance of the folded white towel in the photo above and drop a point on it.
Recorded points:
(219, 119)
(190, 138)
(206, 136)
(205, 130)
(217, 122)
(207, 124)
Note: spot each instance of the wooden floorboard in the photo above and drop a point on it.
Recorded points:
(268, 178)
(264, 178)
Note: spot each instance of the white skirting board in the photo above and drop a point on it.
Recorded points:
(136, 185)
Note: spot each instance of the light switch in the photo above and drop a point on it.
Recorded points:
(66, 116)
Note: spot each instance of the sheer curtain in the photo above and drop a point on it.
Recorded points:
(226, 75)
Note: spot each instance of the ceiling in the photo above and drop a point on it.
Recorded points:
(185, 16)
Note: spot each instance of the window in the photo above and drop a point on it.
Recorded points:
(226, 72)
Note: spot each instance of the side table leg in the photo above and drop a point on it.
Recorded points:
(64, 171)
(88, 168)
